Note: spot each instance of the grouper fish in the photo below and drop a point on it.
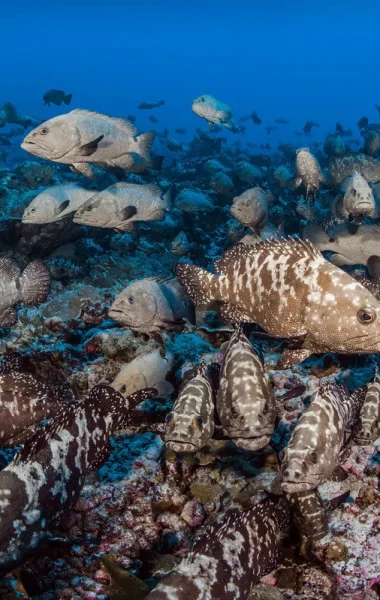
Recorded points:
(231, 556)
(45, 479)
(291, 291)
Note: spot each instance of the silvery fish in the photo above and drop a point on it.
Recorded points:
(309, 514)
(245, 402)
(350, 246)
(313, 452)
(30, 287)
(193, 201)
(190, 425)
(214, 111)
(251, 209)
(231, 556)
(248, 173)
(358, 201)
(368, 427)
(308, 172)
(121, 205)
(149, 305)
(83, 136)
(342, 167)
(289, 289)
(56, 203)
(44, 480)
(146, 370)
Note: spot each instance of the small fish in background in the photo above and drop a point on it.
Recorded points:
(309, 514)
(251, 209)
(190, 424)
(255, 118)
(270, 128)
(215, 112)
(242, 129)
(147, 370)
(193, 201)
(132, 118)
(40, 485)
(56, 97)
(313, 452)
(288, 288)
(377, 106)
(251, 539)
(350, 246)
(9, 114)
(153, 119)
(358, 201)
(309, 126)
(308, 172)
(55, 203)
(122, 205)
(81, 137)
(342, 131)
(30, 287)
(368, 426)
(180, 131)
(245, 401)
(282, 176)
(363, 122)
(149, 305)
(282, 121)
(371, 144)
(150, 105)
(341, 168)
(174, 145)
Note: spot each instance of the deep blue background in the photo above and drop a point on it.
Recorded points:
(293, 60)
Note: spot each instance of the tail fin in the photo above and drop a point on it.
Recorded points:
(35, 283)
(197, 282)
(315, 234)
(145, 142)
(67, 99)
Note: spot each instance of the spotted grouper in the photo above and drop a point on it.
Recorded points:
(291, 291)
(230, 557)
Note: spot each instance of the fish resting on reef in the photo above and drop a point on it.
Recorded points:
(292, 292)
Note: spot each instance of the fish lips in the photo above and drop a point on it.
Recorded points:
(294, 487)
(181, 447)
(252, 444)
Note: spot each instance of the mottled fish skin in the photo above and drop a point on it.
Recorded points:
(308, 171)
(358, 201)
(230, 557)
(309, 514)
(289, 289)
(55, 203)
(214, 111)
(313, 452)
(245, 402)
(44, 480)
(190, 425)
(368, 427)
(251, 209)
(343, 166)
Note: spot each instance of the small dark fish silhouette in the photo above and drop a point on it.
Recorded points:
(150, 105)
(309, 126)
(256, 120)
(56, 97)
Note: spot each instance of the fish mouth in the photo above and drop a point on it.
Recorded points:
(180, 447)
(252, 444)
(292, 487)
(126, 321)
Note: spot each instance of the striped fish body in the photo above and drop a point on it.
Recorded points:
(245, 403)
(309, 514)
(314, 448)
(368, 426)
(190, 425)
(230, 557)
(290, 290)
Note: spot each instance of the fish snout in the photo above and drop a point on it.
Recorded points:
(292, 475)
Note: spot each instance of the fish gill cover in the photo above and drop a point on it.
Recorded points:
(189, 300)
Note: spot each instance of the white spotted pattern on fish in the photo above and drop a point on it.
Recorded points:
(368, 426)
(309, 514)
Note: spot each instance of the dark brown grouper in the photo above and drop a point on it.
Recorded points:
(230, 557)
(309, 514)
(245, 400)
(45, 479)
(291, 291)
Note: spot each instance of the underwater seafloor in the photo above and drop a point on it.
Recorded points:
(144, 506)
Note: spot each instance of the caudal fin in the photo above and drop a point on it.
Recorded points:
(145, 142)
(197, 283)
(67, 99)
(35, 283)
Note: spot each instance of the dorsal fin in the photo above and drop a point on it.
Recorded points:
(120, 122)
(123, 185)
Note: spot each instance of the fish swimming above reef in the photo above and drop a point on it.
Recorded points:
(153, 119)
(45, 478)
(308, 172)
(289, 289)
(342, 167)
(309, 126)
(251, 209)
(190, 424)
(349, 246)
(256, 120)
(149, 305)
(146, 370)
(313, 452)
(231, 556)
(56, 203)
(122, 205)
(150, 105)
(193, 201)
(214, 111)
(56, 97)
(358, 200)
(245, 402)
(30, 287)
(81, 137)
(368, 426)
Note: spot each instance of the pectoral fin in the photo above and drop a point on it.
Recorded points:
(127, 213)
(292, 357)
(91, 147)
(83, 169)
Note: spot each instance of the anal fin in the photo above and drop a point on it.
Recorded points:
(231, 314)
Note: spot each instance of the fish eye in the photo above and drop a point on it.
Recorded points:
(32, 210)
(89, 207)
(313, 457)
(354, 192)
(265, 409)
(169, 418)
(123, 388)
(130, 299)
(198, 422)
(44, 131)
(366, 315)
(234, 412)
